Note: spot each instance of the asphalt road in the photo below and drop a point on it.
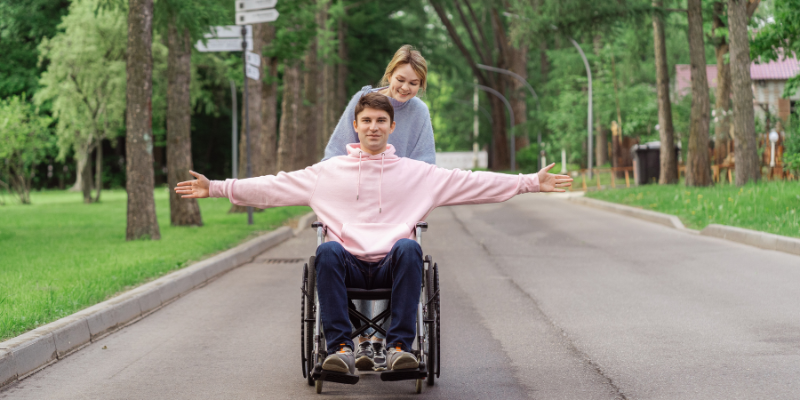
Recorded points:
(541, 299)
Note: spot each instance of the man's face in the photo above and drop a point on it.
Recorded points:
(373, 129)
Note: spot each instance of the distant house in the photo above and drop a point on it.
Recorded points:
(768, 82)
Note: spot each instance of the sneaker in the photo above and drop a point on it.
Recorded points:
(380, 356)
(364, 356)
(399, 359)
(341, 361)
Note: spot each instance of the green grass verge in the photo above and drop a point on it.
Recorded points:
(58, 255)
(772, 207)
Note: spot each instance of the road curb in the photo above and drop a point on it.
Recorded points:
(32, 351)
(762, 240)
(749, 237)
(647, 215)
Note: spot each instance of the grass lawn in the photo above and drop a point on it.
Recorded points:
(58, 255)
(772, 207)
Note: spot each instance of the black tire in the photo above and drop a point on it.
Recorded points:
(303, 292)
(311, 289)
(432, 351)
(438, 319)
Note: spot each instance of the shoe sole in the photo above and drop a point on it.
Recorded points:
(406, 361)
(364, 363)
(336, 365)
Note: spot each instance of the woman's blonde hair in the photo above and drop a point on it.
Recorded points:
(407, 55)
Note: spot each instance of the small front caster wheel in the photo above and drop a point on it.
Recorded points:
(318, 385)
(419, 386)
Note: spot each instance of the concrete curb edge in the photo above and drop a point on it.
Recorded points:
(652, 216)
(749, 237)
(32, 351)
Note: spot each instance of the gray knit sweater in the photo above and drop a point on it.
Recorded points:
(412, 136)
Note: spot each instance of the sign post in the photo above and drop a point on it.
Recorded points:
(252, 12)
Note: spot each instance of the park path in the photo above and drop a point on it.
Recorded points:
(541, 299)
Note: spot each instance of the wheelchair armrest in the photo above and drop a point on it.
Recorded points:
(423, 225)
(317, 224)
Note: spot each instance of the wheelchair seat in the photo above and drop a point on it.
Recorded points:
(364, 294)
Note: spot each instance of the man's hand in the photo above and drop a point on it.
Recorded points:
(196, 189)
(552, 183)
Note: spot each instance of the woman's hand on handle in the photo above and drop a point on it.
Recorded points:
(552, 183)
(196, 189)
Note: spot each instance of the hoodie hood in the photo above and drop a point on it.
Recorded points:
(354, 150)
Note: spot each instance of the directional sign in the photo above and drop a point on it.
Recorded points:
(215, 45)
(252, 72)
(256, 17)
(228, 31)
(250, 5)
(253, 59)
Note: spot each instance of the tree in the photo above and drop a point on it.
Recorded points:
(23, 25)
(142, 222)
(24, 139)
(779, 39)
(181, 23)
(747, 163)
(698, 167)
(85, 81)
(669, 163)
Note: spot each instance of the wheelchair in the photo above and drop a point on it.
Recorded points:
(426, 346)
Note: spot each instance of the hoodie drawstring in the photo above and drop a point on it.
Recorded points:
(358, 188)
(380, 186)
(380, 182)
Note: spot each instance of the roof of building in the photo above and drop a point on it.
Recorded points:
(773, 70)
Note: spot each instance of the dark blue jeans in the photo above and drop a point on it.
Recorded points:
(400, 270)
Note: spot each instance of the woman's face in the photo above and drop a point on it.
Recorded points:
(404, 83)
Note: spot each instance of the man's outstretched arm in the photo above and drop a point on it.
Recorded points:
(453, 187)
(284, 189)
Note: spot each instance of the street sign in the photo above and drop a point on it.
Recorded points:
(250, 5)
(253, 59)
(215, 45)
(256, 17)
(228, 31)
(252, 72)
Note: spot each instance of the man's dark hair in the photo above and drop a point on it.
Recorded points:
(377, 101)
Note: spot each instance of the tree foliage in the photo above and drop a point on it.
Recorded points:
(780, 39)
(24, 140)
(85, 77)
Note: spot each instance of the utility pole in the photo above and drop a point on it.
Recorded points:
(475, 126)
(246, 119)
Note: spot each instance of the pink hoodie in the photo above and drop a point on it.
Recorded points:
(370, 202)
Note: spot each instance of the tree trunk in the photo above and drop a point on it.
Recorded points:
(518, 64)
(501, 158)
(698, 167)
(747, 163)
(601, 144)
(669, 162)
(327, 76)
(342, 97)
(287, 143)
(258, 164)
(269, 108)
(309, 122)
(142, 222)
(722, 107)
(182, 212)
(86, 177)
(98, 171)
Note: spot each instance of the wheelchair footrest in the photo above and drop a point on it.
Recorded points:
(405, 374)
(330, 376)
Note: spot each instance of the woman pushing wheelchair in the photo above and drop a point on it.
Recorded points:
(371, 200)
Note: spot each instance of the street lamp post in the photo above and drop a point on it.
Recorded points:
(589, 120)
(533, 93)
(511, 115)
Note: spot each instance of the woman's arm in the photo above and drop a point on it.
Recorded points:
(425, 148)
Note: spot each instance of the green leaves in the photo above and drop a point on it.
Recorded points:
(24, 140)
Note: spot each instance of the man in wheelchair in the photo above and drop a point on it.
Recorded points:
(371, 201)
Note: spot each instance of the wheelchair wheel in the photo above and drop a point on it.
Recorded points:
(432, 351)
(310, 281)
(438, 342)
